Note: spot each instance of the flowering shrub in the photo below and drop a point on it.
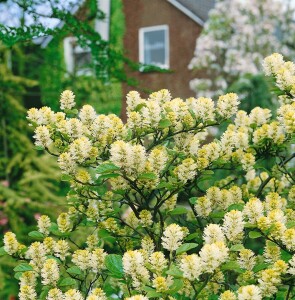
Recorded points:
(156, 210)
(236, 37)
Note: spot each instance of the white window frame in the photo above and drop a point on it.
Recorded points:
(142, 31)
(69, 57)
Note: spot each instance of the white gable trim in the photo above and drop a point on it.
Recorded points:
(187, 12)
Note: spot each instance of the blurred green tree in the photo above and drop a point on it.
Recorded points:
(28, 182)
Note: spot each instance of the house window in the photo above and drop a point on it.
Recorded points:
(78, 60)
(154, 46)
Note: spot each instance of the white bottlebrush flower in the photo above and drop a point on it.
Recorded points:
(133, 265)
(10, 243)
(27, 292)
(233, 225)
(227, 105)
(253, 210)
(272, 64)
(121, 153)
(61, 249)
(80, 149)
(213, 233)
(73, 294)
(37, 254)
(228, 295)
(249, 292)
(35, 116)
(67, 100)
(43, 224)
(147, 244)
(187, 170)
(247, 259)
(259, 116)
(213, 255)
(50, 272)
(73, 128)
(42, 136)
(67, 163)
(64, 222)
(203, 108)
(161, 96)
(137, 297)
(151, 114)
(158, 262)
(291, 269)
(87, 114)
(192, 267)
(203, 207)
(133, 100)
(268, 282)
(97, 294)
(158, 158)
(28, 278)
(55, 294)
(81, 258)
(172, 237)
(97, 258)
(288, 238)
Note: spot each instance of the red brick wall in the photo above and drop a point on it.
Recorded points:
(183, 32)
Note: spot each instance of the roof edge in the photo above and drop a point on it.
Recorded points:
(187, 12)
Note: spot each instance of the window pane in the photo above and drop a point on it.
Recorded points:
(154, 47)
(82, 60)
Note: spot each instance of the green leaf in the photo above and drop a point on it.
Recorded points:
(74, 271)
(232, 266)
(237, 247)
(114, 264)
(153, 294)
(175, 287)
(213, 297)
(239, 207)
(23, 268)
(147, 176)
(249, 225)
(18, 275)
(71, 111)
(107, 176)
(207, 172)
(53, 257)
(36, 235)
(260, 267)
(44, 293)
(163, 184)
(175, 272)
(148, 289)
(217, 214)
(254, 234)
(164, 123)
(178, 211)
(66, 177)
(290, 224)
(39, 148)
(2, 251)
(286, 256)
(140, 106)
(192, 236)
(186, 247)
(107, 168)
(193, 200)
(67, 281)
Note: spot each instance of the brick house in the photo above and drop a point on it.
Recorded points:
(163, 33)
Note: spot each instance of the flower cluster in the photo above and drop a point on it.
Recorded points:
(157, 209)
